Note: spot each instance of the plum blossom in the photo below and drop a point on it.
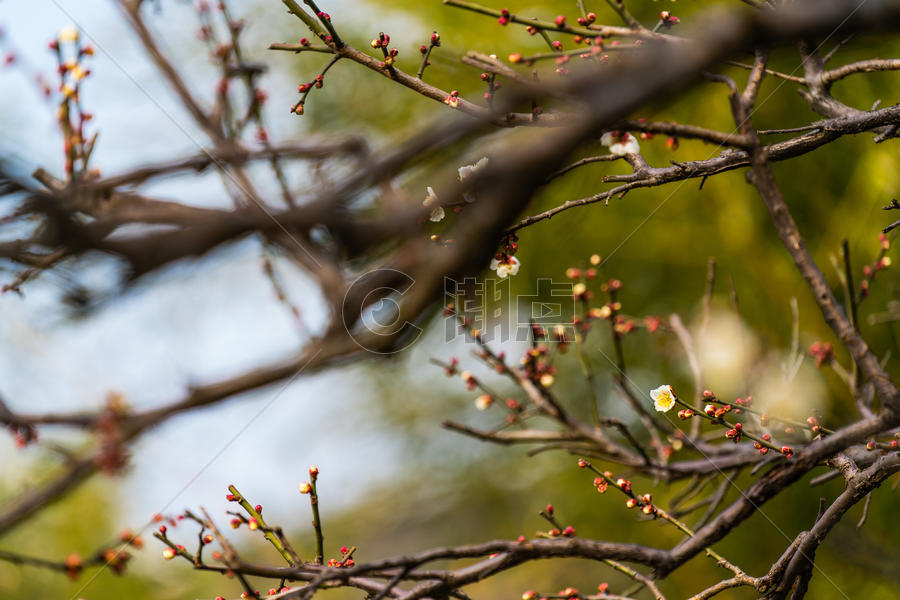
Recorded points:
(663, 398)
(69, 33)
(620, 143)
(505, 266)
(431, 200)
(467, 171)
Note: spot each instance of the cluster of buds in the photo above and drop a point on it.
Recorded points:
(604, 312)
(605, 479)
(70, 54)
(735, 432)
(116, 560)
(644, 135)
(763, 449)
(742, 403)
(685, 414)
(346, 559)
(389, 57)
(823, 353)
(587, 19)
(622, 326)
(557, 531)
(576, 273)
(126, 536)
(652, 323)
(434, 42)
(470, 380)
(504, 261)
(504, 17)
(341, 563)
(871, 271)
(611, 287)
(814, 425)
(581, 293)
(537, 367)
(716, 412)
(562, 339)
(453, 99)
(668, 19)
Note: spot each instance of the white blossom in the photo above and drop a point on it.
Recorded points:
(506, 267)
(483, 402)
(69, 33)
(663, 398)
(431, 199)
(469, 170)
(620, 144)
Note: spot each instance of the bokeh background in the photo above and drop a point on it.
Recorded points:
(393, 480)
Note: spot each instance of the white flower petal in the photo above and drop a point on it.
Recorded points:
(431, 199)
(620, 145)
(469, 170)
(663, 398)
(430, 196)
(69, 33)
(514, 265)
(494, 264)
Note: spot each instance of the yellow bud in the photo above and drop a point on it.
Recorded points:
(69, 33)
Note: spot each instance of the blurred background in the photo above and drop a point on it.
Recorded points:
(393, 480)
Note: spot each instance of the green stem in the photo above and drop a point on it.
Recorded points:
(425, 61)
(267, 531)
(335, 38)
(301, 48)
(317, 522)
(619, 7)
(298, 12)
